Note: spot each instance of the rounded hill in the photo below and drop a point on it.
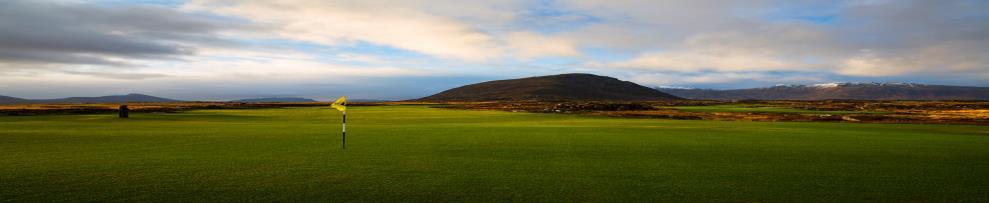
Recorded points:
(574, 86)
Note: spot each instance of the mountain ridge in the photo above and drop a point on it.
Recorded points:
(839, 90)
(275, 99)
(132, 97)
(12, 100)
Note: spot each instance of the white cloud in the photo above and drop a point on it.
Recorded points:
(940, 59)
(532, 45)
(336, 23)
(700, 60)
(729, 52)
(219, 64)
(691, 79)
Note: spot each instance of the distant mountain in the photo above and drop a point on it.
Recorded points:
(13, 100)
(110, 99)
(859, 91)
(103, 99)
(275, 99)
(576, 86)
(367, 100)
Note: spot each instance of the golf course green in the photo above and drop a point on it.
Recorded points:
(418, 153)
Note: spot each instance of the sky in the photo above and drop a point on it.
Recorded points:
(404, 49)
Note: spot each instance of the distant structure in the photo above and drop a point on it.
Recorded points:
(124, 112)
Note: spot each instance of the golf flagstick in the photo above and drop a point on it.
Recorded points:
(341, 105)
(344, 146)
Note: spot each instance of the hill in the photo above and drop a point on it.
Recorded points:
(275, 99)
(13, 100)
(858, 91)
(576, 86)
(107, 99)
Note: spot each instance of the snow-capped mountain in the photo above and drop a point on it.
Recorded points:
(840, 90)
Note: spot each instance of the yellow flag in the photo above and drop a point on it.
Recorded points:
(340, 104)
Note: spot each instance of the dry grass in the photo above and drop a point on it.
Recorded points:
(927, 112)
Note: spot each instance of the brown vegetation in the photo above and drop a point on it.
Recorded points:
(169, 107)
(926, 112)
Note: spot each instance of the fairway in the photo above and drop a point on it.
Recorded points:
(417, 153)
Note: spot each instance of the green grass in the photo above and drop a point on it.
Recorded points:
(415, 153)
(763, 109)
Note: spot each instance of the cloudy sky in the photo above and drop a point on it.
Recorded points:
(401, 49)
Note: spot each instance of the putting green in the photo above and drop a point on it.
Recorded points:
(416, 153)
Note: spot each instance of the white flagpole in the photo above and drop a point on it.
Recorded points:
(344, 146)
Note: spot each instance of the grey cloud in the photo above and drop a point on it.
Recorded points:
(657, 24)
(48, 32)
(118, 75)
(908, 24)
(861, 38)
(11, 57)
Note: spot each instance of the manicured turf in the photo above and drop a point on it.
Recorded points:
(763, 109)
(415, 153)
